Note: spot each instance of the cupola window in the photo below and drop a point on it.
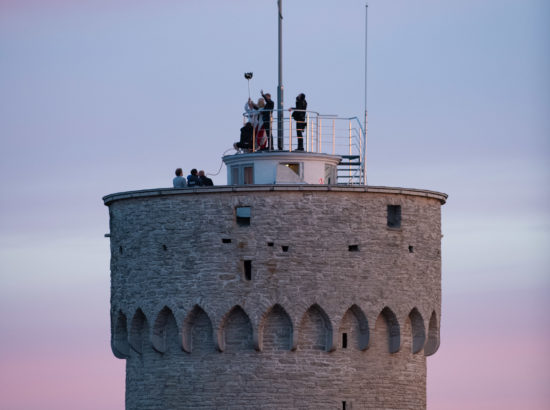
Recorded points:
(242, 174)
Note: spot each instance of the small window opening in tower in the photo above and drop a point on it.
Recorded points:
(344, 340)
(270, 244)
(343, 405)
(243, 215)
(411, 249)
(394, 216)
(293, 166)
(353, 248)
(120, 249)
(164, 247)
(226, 240)
(247, 269)
(285, 248)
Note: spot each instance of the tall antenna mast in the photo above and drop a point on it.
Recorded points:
(280, 111)
(365, 124)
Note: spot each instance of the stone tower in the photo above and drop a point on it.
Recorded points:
(280, 290)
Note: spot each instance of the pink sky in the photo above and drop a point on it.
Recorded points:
(99, 97)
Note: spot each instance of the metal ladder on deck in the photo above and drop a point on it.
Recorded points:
(349, 170)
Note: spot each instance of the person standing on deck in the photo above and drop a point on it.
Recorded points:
(299, 116)
(258, 123)
(267, 112)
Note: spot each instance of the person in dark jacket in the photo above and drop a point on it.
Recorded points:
(193, 179)
(299, 115)
(205, 181)
(267, 112)
(245, 143)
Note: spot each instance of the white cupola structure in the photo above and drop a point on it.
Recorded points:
(281, 167)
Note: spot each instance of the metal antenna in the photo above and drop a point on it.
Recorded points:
(280, 111)
(365, 125)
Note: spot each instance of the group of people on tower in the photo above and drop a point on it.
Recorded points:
(257, 132)
(194, 179)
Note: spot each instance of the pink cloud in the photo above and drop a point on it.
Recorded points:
(58, 379)
(494, 367)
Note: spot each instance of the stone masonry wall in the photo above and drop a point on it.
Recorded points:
(340, 311)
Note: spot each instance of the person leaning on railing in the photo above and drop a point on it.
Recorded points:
(299, 116)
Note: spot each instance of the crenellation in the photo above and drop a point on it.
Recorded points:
(358, 325)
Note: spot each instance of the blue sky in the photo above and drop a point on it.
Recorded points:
(99, 97)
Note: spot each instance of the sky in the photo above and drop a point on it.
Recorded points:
(99, 96)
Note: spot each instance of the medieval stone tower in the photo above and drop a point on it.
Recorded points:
(280, 290)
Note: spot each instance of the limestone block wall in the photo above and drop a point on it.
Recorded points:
(315, 304)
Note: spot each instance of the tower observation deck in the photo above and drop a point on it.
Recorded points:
(334, 152)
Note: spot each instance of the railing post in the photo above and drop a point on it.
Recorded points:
(317, 127)
(333, 136)
(253, 139)
(320, 133)
(270, 139)
(289, 134)
(320, 145)
(319, 142)
(308, 133)
(349, 167)
(361, 181)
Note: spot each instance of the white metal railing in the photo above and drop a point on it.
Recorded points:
(328, 134)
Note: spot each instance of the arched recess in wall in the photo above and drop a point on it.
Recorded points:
(165, 332)
(237, 331)
(139, 331)
(387, 328)
(315, 330)
(418, 331)
(276, 330)
(354, 329)
(433, 336)
(197, 332)
(120, 346)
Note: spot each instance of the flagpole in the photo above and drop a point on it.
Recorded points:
(280, 111)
